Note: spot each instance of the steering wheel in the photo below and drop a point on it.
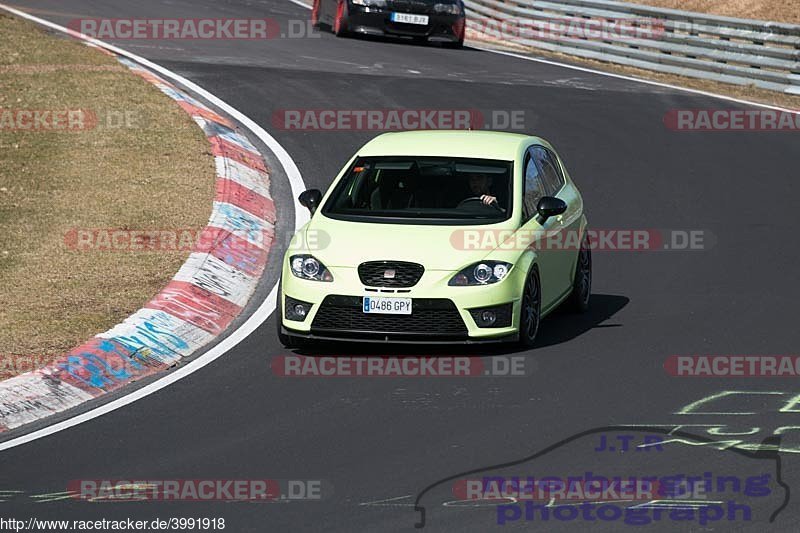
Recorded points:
(474, 199)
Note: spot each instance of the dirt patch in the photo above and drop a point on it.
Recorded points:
(775, 10)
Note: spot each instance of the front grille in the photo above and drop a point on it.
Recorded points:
(436, 317)
(407, 29)
(411, 6)
(400, 273)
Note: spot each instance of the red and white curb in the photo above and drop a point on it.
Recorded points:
(208, 292)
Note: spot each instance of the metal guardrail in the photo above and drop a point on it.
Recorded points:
(725, 49)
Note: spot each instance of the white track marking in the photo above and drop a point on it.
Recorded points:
(301, 4)
(253, 322)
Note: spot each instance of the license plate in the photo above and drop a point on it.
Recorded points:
(387, 306)
(410, 18)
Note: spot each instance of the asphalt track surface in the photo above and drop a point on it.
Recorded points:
(380, 442)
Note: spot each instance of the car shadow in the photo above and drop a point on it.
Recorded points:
(562, 326)
(558, 327)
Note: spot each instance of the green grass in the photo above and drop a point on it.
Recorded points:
(156, 172)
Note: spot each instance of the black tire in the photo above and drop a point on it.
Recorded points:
(578, 300)
(530, 309)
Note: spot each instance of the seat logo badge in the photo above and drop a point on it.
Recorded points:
(389, 274)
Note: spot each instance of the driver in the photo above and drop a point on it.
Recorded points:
(479, 186)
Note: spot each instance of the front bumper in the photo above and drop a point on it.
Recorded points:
(393, 339)
(439, 313)
(377, 21)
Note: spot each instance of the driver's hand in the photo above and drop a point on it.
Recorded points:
(486, 199)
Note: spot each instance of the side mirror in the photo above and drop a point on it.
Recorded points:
(549, 206)
(310, 199)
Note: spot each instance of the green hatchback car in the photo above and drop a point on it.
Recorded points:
(438, 236)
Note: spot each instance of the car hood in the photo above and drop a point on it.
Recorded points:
(340, 243)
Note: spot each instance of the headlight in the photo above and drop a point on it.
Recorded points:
(308, 267)
(370, 3)
(450, 9)
(483, 273)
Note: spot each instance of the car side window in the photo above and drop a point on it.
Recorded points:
(551, 173)
(534, 188)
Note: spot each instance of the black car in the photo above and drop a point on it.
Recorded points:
(440, 21)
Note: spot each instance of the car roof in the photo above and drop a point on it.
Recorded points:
(449, 143)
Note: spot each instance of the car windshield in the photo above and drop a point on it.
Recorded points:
(420, 190)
